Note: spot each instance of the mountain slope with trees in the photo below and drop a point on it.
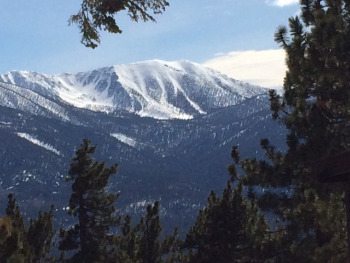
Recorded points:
(285, 207)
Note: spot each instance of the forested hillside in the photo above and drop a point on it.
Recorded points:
(287, 200)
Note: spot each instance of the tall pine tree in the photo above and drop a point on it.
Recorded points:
(93, 207)
(315, 108)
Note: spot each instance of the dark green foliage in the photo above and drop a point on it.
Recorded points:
(96, 15)
(151, 247)
(125, 245)
(143, 243)
(91, 205)
(149, 229)
(39, 236)
(13, 245)
(229, 228)
(19, 243)
(315, 110)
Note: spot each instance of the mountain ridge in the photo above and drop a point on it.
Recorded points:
(153, 88)
(173, 159)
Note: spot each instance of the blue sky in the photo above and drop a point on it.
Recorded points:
(35, 34)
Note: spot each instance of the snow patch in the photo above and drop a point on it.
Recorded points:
(34, 140)
(6, 123)
(125, 139)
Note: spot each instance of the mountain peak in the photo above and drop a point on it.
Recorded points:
(154, 88)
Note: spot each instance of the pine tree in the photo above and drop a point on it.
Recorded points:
(149, 231)
(125, 245)
(96, 15)
(172, 249)
(39, 237)
(92, 206)
(145, 242)
(315, 109)
(228, 229)
(13, 245)
(19, 243)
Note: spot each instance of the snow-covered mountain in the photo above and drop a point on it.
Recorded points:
(177, 156)
(158, 89)
(24, 99)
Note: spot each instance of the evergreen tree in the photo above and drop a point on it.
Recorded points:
(96, 15)
(229, 229)
(13, 245)
(143, 243)
(125, 245)
(315, 108)
(92, 206)
(172, 249)
(150, 229)
(19, 243)
(39, 237)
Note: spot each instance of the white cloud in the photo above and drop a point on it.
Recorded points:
(265, 68)
(282, 3)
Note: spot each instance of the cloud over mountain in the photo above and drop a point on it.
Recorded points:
(264, 67)
(282, 3)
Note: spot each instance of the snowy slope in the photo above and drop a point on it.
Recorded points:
(24, 99)
(43, 118)
(157, 89)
